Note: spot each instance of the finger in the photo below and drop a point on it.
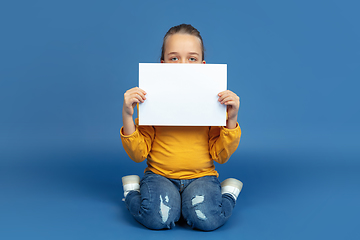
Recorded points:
(224, 92)
(222, 97)
(140, 90)
(141, 94)
(233, 103)
(135, 90)
(137, 94)
(130, 100)
(230, 103)
(227, 94)
(137, 100)
(227, 98)
(138, 97)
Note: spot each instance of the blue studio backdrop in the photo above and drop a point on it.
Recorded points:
(65, 65)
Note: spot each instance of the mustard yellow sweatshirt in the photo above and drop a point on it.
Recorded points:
(181, 152)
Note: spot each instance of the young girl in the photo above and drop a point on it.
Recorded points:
(180, 178)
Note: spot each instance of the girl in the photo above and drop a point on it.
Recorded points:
(180, 179)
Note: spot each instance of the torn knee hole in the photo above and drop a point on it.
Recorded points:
(197, 199)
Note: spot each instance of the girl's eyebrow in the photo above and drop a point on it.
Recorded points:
(192, 53)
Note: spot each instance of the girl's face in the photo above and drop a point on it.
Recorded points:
(182, 48)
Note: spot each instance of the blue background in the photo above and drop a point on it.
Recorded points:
(64, 66)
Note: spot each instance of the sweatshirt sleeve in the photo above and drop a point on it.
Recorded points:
(223, 142)
(138, 144)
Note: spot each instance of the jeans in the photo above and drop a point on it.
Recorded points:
(162, 201)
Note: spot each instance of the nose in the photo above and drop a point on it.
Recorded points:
(183, 60)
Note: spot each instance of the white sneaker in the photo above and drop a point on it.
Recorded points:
(231, 186)
(131, 183)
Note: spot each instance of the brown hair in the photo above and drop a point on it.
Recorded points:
(182, 28)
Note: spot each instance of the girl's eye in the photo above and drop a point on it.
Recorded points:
(192, 59)
(174, 59)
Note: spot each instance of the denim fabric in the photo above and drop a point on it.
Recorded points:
(162, 201)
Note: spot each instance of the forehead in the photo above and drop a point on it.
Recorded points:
(181, 41)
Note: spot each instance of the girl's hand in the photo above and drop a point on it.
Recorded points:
(232, 101)
(131, 98)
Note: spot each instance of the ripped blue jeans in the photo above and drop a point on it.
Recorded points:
(162, 201)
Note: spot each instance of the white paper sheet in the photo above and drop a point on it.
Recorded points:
(182, 94)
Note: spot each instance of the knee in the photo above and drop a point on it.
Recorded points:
(204, 221)
(203, 214)
(160, 203)
(161, 215)
(160, 219)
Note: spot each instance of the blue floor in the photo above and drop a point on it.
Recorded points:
(73, 191)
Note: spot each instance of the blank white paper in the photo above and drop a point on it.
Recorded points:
(182, 94)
